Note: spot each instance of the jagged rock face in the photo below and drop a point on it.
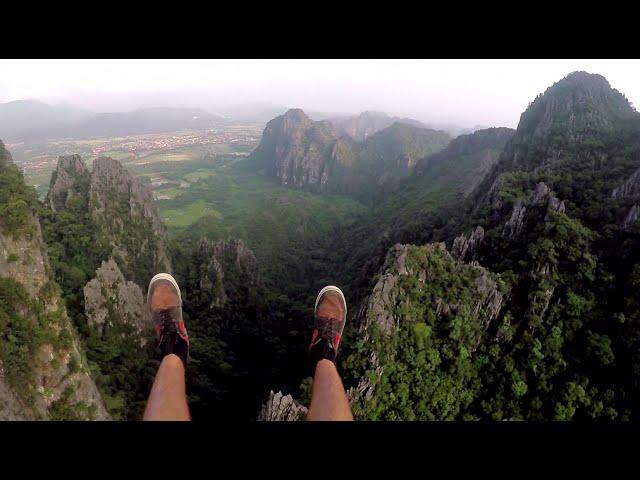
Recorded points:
(631, 217)
(119, 202)
(281, 408)
(539, 196)
(386, 291)
(10, 407)
(630, 187)
(70, 180)
(109, 177)
(368, 123)
(121, 210)
(58, 377)
(464, 249)
(513, 226)
(24, 259)
(299, 151)
(109, 298)
(229, 263)
(46, 376)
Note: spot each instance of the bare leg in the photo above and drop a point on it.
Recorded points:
(168, 400)
(328, 399)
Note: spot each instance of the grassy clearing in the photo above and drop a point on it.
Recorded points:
(187, 215)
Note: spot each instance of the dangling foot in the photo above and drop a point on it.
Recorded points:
(165, 303)
(330, 315)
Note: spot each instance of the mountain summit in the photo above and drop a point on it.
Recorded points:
(580, 102)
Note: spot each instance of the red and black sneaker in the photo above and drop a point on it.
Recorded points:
(329, 317)
(165, 303)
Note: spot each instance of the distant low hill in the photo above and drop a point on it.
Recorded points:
(148, 120)
(23, 118)
(360, 127)
(32, 120)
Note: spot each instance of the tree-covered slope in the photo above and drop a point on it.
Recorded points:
(557, 232)
(106, 240)
(43, 369)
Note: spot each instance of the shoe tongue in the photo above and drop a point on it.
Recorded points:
(166, 317)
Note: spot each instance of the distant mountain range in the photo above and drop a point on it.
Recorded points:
(359, 127)
(35, 121)
(32, 120)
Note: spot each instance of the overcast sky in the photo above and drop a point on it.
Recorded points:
(466, 92)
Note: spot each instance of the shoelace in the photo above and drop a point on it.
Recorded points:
(328, 327)
(166, 318)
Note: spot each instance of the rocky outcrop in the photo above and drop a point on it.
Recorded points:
(120, 204)
(120, 208)
(300, 152)
(70, 180)
(540, 196)
(47, 376)
(386, 292)
(54, 376)
(109, 299)
(10, 406)
(24, 258)
(281, 408)
(109, 180)
(513, 226)
(227, 264)
(465, 248)
(631, 217)
(630, 188)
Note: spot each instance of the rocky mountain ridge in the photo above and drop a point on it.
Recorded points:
(300, 152)
(43, 373)
(120, 208)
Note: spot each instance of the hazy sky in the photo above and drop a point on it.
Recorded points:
(466, 92)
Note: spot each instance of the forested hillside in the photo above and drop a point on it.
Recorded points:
(557, 233)
(491, 276)
(43, 370)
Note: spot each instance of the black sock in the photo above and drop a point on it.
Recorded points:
(174, 343)
(323, 350)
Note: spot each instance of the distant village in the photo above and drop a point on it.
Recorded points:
(38, 160)
(169, 141)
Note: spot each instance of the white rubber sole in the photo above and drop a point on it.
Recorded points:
(331, 288)
(163, 276)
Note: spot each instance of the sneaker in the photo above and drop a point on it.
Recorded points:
(329, 317)
(165, 303)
